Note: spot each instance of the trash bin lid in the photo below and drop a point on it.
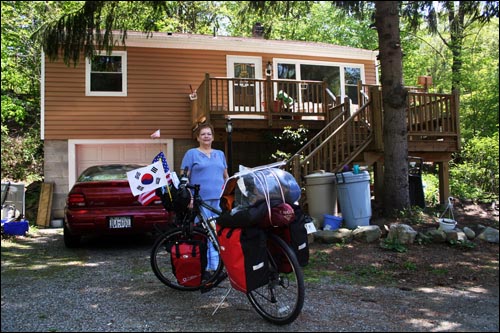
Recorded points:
(350, 177)
(320, 178)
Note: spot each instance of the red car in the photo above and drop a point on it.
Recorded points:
(101, 203)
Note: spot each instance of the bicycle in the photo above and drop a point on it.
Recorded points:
(279, 301)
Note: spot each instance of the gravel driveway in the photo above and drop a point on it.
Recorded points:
(110, 287)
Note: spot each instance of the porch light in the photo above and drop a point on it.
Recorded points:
(229, 125)
(269, 69)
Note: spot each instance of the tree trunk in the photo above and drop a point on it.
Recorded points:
(396, 188)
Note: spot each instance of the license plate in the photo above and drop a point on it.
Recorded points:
(120, 222)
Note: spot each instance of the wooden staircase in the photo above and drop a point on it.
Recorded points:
(342, 139)
(433, 133)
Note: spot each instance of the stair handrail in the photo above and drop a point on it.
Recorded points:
(296, 163)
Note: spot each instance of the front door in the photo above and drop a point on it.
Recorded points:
(245, 95)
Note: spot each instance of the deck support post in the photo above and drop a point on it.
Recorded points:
(444, 181)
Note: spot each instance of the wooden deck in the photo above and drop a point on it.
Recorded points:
(343, 134)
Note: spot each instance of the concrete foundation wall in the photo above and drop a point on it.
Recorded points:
(56, 171)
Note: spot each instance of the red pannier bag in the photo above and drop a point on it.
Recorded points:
(244, 253)
(189, 259)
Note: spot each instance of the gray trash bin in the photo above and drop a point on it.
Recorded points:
(321, 196)
(353, 192)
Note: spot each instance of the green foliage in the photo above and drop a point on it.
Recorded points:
(288, 142)
(22, 152)
(22, 156)
(479, 98)
(301, 20)
(430, 181)
(410, 266)
(465, 244)
(474, 174)
(393, 244)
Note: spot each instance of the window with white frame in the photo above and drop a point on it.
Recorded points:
(106, 75)
(342, 79)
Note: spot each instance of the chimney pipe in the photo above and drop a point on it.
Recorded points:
(258, 30)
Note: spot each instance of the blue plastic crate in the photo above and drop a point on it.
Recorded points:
(15, 228)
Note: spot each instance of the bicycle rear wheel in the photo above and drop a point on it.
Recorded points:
(161, 258)
(281, 300)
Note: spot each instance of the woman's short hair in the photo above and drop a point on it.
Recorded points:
(202, 126)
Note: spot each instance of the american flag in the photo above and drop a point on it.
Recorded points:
(148, 197)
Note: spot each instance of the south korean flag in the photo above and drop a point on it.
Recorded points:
(147, 178)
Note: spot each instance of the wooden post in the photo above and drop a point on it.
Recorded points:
(360, 95)
(206, 103)
(376, 111)
(269, 98)
(444, 181)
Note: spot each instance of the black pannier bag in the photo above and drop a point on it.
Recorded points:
(174, 199)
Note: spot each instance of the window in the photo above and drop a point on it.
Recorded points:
(351, 77)
(342, 79)
(327, 73)
(106, 75)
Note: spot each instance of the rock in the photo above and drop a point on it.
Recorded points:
(489, 234)
(402, 232)
(469, 233)
(332, 237)
(367, 234)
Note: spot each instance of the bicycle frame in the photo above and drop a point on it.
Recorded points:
(204, 220)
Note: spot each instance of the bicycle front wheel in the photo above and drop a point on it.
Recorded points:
(280, 301)
(161, 258)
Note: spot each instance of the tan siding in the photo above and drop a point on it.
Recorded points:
(157, 94)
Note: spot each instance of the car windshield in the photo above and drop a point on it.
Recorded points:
(107, 172)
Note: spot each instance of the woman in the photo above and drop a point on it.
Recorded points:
(207, 167)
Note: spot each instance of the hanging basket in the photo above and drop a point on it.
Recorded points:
(447, 220)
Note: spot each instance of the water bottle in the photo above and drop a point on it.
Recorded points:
(355, 169)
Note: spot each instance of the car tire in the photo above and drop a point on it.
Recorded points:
(70, 240)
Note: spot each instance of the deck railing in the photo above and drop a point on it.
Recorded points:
(432, 119)
(261, 99)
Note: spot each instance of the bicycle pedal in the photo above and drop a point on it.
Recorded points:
(209, 286)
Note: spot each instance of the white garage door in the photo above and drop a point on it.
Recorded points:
(88, 154)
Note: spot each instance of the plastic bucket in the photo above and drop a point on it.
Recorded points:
(56, 223)
(447, 224)
(332, 222)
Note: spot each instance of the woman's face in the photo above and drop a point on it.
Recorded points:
(205, 136)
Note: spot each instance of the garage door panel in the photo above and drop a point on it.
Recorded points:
(97, 154)
(135, 154)
(89, 153)
(110, 154)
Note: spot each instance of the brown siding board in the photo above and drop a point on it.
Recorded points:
(157, 94)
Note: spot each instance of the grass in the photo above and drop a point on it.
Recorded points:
(19, 258)
(320, 268)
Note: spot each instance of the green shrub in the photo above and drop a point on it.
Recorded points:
(22, 156)
(474, 174)
(431, 188)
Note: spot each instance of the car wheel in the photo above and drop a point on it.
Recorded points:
(71, 240)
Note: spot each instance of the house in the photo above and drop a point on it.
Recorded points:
(105, 111)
